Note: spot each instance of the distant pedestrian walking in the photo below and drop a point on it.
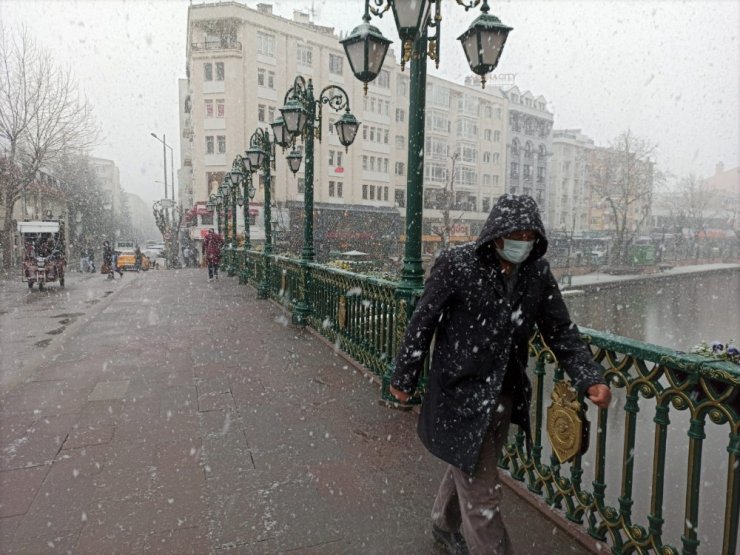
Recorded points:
(212, 252)
(110, 261)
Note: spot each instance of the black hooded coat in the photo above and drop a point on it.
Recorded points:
(481, 332)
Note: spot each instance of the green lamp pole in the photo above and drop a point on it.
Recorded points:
(218, 202)
(261, 155)
(240, 174)
(366, 48)
(302, 117)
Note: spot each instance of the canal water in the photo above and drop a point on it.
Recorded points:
(675, 313)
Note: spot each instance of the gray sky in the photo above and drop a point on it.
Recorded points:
(666, 69)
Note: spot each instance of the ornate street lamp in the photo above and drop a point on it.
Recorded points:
(483, 43)
(414, 19)
(280, 133)
(294, 160)
(366, 48)
(302, 113)
(261, 155)
(241, 174)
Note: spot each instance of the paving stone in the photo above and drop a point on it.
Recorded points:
(110, 390)
(35, 445)
(18, 489)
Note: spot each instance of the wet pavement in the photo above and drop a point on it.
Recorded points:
(172, 415)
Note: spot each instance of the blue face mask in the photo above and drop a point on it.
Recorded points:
(515, 251)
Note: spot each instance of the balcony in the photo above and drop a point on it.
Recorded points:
(222, 44)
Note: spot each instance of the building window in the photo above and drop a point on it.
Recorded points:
(339, 189)
(266, 44)
(486, 207)
(400, 198)
(301, 185)
(336, 64)
(331, 157)
(364, 192)
(386, 135)
(486, 179)
(400, 115)
(271, 114)
(514, 169)
(364, 162)
(495, 180)
(261, 112)
(261, 75)
(497, 136)
(486, 134)
(364, 132)
(331, 189)
(402, 86)
(208, 72)
(220, 108)
(384, 79)
(385, 194)
(339, 158)
(486, 157)
(372, 192)
(222, 144)
(400, 142)
(220, 72)
(385, 165)
(305, 55)
(270, 79)
(496, 157)
(209, 108)
(400, 168)
(209, 144)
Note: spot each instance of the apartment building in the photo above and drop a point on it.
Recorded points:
(240, 64)
(529, 146)
(569, 191)
(109, 178)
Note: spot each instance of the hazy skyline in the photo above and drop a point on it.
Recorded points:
(666, 69)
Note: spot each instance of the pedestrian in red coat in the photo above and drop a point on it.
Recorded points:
(212, 252)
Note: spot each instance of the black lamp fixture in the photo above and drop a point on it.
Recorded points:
(347, 127)
(483, 42)
(280, 132)
(295, 116)
(411, 18)
(366, 48)
(235, 176)
(255, 157)
(294, 160)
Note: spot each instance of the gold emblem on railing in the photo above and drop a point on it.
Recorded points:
(564, 425)
(342, 312)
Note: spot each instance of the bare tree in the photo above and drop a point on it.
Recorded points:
(42, 117)
(448, 200)
(623, 179)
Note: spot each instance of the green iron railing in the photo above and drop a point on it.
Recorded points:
(663, 481)
(645, 501)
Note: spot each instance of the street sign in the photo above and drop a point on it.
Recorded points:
(167, 203)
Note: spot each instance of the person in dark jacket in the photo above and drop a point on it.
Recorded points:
(482, 300)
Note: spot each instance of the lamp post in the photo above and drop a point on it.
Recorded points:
(302, 114)
(172, 163)
(240, 174)
(261, 156)
(366, 48)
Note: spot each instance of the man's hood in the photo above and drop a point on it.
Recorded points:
(514, 213)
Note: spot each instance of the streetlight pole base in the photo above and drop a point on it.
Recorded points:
(300, 315)
(263, 290)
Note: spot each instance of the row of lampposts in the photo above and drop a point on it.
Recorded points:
(301, 116)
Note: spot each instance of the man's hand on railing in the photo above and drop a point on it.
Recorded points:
(600, 395)
(401, 396)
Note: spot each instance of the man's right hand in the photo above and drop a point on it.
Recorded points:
(401, 396)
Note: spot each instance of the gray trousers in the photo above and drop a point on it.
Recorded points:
(471, 503)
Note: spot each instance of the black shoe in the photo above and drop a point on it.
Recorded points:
(453, 542)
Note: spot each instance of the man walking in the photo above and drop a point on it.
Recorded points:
(212, 244)
(482, 300)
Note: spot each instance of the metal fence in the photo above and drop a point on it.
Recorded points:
(646, 501)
